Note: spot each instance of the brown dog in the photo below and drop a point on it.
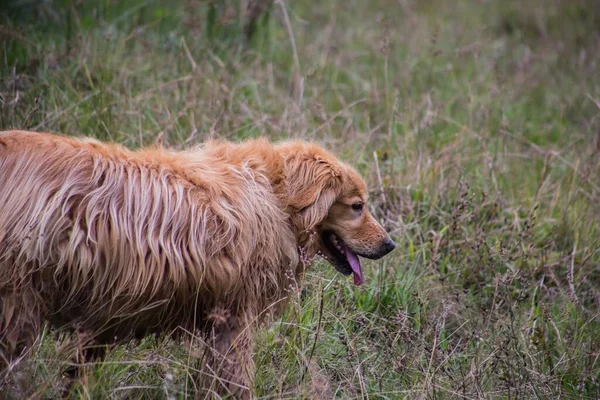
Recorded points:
(122, 244)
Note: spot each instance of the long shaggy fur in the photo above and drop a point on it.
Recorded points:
(123, 244)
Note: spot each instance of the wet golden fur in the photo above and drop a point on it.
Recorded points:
(123, 244)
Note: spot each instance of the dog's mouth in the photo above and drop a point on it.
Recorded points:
(341, 257)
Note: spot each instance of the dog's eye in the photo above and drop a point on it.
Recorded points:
(357, 206)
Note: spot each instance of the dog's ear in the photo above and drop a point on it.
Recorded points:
(317, 211)
(313, 183)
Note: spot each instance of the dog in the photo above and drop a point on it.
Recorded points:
(123, 244)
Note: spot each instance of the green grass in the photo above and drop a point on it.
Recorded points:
(475, 123)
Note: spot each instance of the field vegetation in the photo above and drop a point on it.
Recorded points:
(476, 124)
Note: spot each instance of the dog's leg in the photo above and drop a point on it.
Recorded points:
(229, 368)
(87, 350)
(20, 325)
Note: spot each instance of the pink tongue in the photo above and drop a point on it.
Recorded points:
(356, 268)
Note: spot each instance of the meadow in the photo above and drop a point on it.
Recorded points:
(476, 124)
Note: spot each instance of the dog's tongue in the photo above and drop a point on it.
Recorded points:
(356, 268)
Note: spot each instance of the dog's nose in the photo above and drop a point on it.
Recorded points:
(388, 245)
(384, 247)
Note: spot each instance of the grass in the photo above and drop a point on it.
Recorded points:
(476, 124)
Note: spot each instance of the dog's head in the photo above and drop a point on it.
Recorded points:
(328, 198)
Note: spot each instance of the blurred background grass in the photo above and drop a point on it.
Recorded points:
(475, 122)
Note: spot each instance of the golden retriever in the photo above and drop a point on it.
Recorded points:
(123, 244)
